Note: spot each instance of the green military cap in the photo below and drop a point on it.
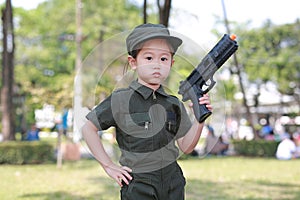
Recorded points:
(149, 31)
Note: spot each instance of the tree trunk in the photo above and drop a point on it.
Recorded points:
(145, 12)
(239, 74)
(8, 125)
(164, 11)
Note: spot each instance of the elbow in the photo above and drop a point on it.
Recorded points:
(187, 151)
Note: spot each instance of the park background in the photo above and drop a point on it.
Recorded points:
(262, 87)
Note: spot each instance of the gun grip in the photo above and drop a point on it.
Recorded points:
(200, 111)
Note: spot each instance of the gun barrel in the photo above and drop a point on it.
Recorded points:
(217, 56)
(233, 36)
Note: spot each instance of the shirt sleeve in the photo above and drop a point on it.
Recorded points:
(101, 116)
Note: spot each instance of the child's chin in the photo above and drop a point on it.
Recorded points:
(154, 83)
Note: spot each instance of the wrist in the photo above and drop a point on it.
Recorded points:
(106, 164)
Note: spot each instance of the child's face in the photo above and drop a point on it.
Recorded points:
(153, 62)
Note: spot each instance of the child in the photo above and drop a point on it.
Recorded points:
(148, 121)
(32, 134)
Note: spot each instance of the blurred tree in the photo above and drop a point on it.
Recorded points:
(45, 39)
(271, 54)
(145, 15)
(164, 8)
(238, 72)
(7, 93)
(45, 51)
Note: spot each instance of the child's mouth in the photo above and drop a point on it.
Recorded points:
(156, 74)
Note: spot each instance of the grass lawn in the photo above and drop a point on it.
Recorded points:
(209, 178)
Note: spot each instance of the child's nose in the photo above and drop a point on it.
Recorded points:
(156, 65)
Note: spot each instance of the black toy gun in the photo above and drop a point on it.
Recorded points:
(200, 81)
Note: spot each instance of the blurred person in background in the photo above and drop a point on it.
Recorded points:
(286, 149)
(214, 144)
(32, 134)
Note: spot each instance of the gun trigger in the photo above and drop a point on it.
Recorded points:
(210, 86)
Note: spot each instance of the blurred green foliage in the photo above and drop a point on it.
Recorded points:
(46, 51)
(23, 152)
(255, 148)
(271, 53)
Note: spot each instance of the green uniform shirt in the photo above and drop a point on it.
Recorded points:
(147, 125)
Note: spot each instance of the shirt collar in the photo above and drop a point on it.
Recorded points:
(145, 91)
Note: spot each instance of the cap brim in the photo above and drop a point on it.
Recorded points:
(174, 41)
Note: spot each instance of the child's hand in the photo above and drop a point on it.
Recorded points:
(204, 100)
(119, 173)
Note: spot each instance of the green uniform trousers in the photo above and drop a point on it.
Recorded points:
(164, 184)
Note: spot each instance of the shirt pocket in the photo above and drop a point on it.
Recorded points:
(171, 123)
(137, 124)
(138, 132)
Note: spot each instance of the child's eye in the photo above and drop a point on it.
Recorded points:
(164, 59)
(148, 58)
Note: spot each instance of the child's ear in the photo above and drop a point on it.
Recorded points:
(132, 62)
(172, 63)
